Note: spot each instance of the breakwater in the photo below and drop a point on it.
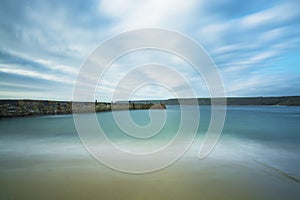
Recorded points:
(20, 108)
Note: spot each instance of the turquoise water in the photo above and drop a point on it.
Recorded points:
(257, 157)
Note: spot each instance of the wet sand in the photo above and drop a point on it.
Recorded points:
(78, 176)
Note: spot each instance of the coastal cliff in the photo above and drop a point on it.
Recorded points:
(237, 101)
(20, 108)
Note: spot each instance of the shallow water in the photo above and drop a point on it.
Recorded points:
(257, 157)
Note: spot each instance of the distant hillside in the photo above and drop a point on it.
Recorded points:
(243, 101)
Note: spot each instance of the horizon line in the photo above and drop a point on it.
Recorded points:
(164, 99)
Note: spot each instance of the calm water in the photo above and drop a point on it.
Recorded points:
(257, 157)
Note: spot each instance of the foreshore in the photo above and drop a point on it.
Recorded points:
(21, 108)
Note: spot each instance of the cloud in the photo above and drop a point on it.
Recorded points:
(44, 43)
(34, 74)
(259, 85)
(271, 17)
(138, 14)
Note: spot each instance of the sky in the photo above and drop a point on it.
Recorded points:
(254, 44)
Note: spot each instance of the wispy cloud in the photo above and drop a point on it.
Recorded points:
(128, 15)
(34, 74)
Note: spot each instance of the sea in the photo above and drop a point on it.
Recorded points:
(257, 156)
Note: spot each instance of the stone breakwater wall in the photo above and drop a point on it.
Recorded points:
(20, 108)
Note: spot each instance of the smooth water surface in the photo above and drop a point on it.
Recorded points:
(257, 157)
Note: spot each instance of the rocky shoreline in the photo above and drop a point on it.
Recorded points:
(21, 108)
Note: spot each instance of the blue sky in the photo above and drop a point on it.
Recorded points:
(255, 44)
